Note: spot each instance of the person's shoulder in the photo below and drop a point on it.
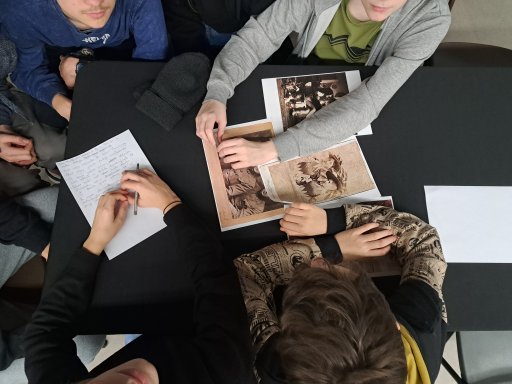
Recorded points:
(22, 14)
(437, 7)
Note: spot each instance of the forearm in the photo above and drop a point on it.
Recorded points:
(5, 112)
(50, 351)
(254, 44)
(417, 249)
(259, 272)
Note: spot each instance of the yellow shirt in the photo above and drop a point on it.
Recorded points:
(346, 38)
(417, 372)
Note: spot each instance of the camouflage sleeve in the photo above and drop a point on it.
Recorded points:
(260, 272)
(417, 249)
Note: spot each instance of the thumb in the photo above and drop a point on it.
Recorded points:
(121, 214)
(19, 140)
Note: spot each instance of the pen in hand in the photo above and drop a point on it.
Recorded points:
(136, 198)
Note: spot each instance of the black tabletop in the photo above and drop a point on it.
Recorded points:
(446, 126)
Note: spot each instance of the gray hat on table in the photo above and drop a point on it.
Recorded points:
(179, 86)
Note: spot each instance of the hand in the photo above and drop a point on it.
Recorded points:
(67, 69)
(108, 220)
(303, 219)
(211, 112)
(152, 190)
(362, 242)
(16, 149)
(45, 252)
(62, 105)
(243, 153)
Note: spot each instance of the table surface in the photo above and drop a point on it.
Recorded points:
(445, 126)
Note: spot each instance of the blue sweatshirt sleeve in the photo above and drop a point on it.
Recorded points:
(149, 31)
(32, 74)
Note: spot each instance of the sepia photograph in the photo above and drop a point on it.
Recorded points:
(240, 195)
(291, 99)
(327, 175)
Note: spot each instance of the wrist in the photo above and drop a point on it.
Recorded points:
(271, 150)
(93, 246)
(170, 205)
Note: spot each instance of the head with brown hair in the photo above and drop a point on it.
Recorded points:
(338, 328)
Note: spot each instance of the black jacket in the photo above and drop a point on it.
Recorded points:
(22, 226)
(217, 352)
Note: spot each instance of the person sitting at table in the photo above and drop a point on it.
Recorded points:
(25, 229)
(24, 138)
(335, 326)
(219, 350)
(396, 35)
(52, 37)
(188, 21)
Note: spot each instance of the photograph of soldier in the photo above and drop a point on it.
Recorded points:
(324, 176)
(301, 96)
(240, 195)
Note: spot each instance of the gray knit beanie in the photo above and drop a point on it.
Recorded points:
(179, 86)
(8, 57)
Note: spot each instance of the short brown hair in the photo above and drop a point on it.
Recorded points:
(338, 328)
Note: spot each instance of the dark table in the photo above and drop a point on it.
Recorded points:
(446, 126)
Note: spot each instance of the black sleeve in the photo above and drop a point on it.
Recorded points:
(336, 220)
(23, 227)
(50, 352)
(220, 318)
(417, 306)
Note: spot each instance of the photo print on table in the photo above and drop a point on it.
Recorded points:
(331, 174)
(291, 99)
(240, 195)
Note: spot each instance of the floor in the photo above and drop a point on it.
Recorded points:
(477, 21)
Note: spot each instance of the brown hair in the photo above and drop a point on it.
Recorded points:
(338, 328)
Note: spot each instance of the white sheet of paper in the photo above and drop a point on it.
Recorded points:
(98, 171)
(273, 106)
(473, 222)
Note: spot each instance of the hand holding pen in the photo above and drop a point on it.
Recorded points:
(150, 190)
(136, 198)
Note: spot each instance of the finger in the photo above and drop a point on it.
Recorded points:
(241, 165)
(132, 185)
(379, 252)
(227, 151)
(366, 227)
(132, 176)
(293, 219)
(200, 123)
(146, 172)
(295, 211)
(211, 137)
(18, 140)
(382, 242)
(228, 143)
(222, 122)
(373, 236)
(122, 212)
(290, 225)
(231, 159)
(17, 154)
(302, 206)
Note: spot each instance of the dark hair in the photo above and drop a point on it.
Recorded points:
(338, 328)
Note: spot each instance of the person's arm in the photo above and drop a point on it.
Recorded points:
(354, 111)
(149, 31)
(23, 227)
(32, 74)
(50, 352)
(221, 333)
(259, 272)
(417, 250)
(254, 43)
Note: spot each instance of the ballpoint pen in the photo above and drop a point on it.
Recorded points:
(136, 198)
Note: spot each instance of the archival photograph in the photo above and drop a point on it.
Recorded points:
(327, 175)
(240, 195)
